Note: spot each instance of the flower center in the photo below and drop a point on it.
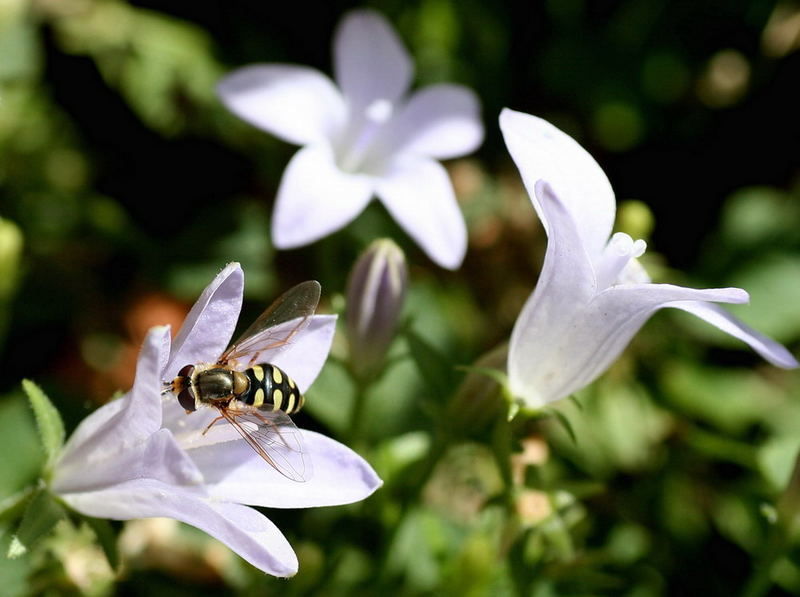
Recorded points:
(618, 252)
(362, 133)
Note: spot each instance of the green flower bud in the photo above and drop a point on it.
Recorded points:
(375, 293)
(10, 252)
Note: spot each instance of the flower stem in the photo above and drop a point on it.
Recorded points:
(413, 489)
(357, 410)
(779, 538)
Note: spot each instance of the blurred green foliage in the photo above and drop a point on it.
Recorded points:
(125, 186)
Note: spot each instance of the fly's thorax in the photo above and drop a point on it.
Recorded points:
(271, 389)
(241, 383)
(196, 385)
(213, 384)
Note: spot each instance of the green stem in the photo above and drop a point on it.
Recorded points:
(779, 538)
(760, 581)
(357, 410)
(407, 499)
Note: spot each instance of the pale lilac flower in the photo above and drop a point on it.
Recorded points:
(367, 137)
(592, 295)
(142, 456)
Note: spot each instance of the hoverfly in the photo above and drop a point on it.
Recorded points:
(257, 398)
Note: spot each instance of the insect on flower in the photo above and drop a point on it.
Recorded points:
(257, 398)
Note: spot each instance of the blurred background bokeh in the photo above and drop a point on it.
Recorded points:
(125, 186)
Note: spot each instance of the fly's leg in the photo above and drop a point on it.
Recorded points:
(211, 424)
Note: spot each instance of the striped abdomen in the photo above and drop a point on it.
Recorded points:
(271, 389)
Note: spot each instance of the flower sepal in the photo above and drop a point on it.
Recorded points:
(42, 511)
(49, 424)
(481, 398)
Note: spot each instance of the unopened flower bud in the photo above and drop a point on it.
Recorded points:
(481, 397)
(375, 293)
(10, 252)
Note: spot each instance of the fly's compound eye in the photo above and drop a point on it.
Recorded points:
(186, 371)
(186, 399)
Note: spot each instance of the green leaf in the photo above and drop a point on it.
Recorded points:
(434, 367)
(574, 399)
(48, 419)
(565, 423)
(494, 374)
(11, 506)
(107, 539)
(41, 515)
(502, 448)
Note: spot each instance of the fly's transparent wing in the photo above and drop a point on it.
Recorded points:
(274, 437)
(276, 326)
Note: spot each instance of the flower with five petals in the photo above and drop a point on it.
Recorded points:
(592, 295)
(142, 456)
(367, 137)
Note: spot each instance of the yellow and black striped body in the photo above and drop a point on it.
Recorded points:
(271, 389)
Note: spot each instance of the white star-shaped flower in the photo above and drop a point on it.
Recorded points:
(366, 138)
(142, 456)
(592, 295)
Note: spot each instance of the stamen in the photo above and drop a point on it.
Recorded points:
(375, 115)
(379, 111)
(618, 252)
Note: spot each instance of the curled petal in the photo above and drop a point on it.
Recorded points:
(127, 422)
(370, 62)
(245, 531)
(567, 333)
(418, 194)
(616, 314)
(440, 121)
(209, 326)
(772, 351)
(295, 103)
(541, 151)
(234, 472)
(159, 457)
(566, 285)
(592, 339)
(316, 198)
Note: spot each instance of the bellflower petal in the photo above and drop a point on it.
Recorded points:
(541, 151)
(370, 61)
(770, 350)
(362, 141)
(592, 295)
(569, 330)
(316, 198)
(123, 423)
(158, 457)
(439, 121)
(610, 321)
(210, 324)
(143, 456)
(247, 532)
(418, 194)
(233, 473)
(295, 103)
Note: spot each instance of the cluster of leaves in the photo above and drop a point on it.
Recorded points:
(670, 475)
